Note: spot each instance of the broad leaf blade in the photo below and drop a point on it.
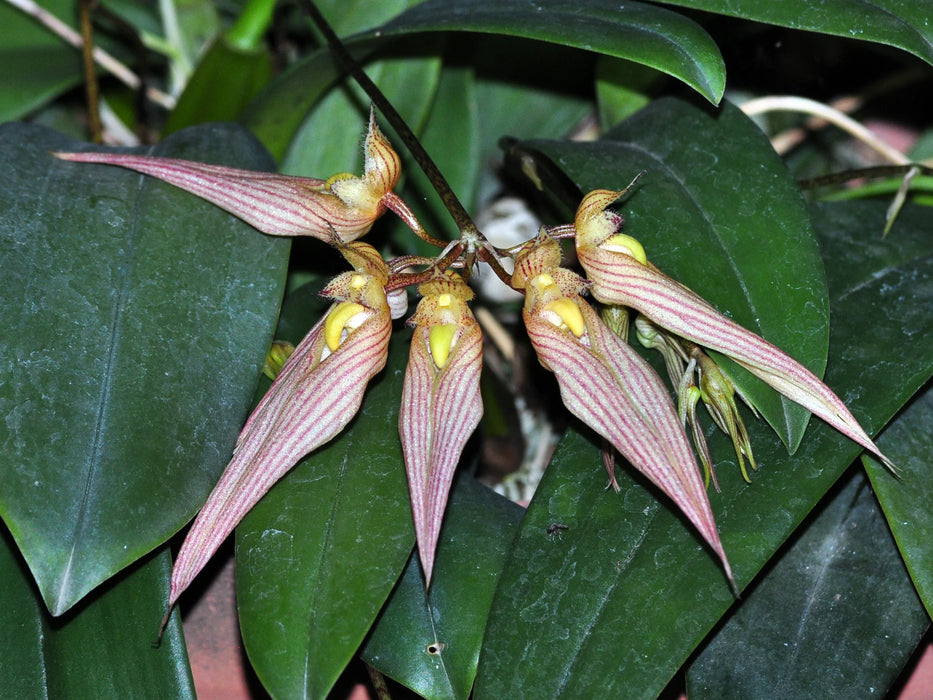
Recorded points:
(717, 210)
(136, 318)
(103, 649)
(637, 31)
(319, 554)
(836, 617)
(431, 643)
(909, 442)
(901, 23)
(631, 593)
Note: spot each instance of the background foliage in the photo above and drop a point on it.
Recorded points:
(136, 319)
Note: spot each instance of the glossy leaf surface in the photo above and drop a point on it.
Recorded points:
(75, 656)
(637, 31)
(630, 575)
(907, 504)
(431, 643)
(835, 617)
(901, 23)
(640, 32)
(751, 254)
(136, 319)
(319, 554)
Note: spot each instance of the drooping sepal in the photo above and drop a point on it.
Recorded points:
(441, 404)
(317, 392)
(618, 275)
(282, 205)
(608, 386)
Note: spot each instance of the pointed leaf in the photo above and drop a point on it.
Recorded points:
(640, 32)
(752, 255)
(136, 318)
(901, 23)
(75, 656)
(909, 439)
(836, 616)
(558, 611)
(637, 31)
(478, 529)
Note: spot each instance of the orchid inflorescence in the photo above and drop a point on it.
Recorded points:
(603, 381)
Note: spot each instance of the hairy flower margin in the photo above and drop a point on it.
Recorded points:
(602, 380)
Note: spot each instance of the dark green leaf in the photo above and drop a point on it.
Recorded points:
(909, 442)
(718, 211)
(909, 439)
(901, 23)
(431, 643)
(631, 576)
(102, 649)
(637, 31)
(320, 553)
(136, 318)
(836, 617)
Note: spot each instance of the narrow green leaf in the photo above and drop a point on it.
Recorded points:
(431, 643)
(136, 318)
(102, 649)
(319, 554)
(621, 604)
(836, 617)
(718, 211)
(901, 23)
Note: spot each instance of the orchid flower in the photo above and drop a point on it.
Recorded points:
(607, 385)
(619, 272)
(441, 403)
(285, 205)
(317, 393)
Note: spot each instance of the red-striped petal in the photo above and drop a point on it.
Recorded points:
(440, 410)
(308, 404)
(616, 393)
(280, 205)
(618, 278)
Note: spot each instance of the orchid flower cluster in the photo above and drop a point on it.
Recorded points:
(603, 381)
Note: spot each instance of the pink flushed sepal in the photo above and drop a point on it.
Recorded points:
(284, 205)
(619, 274)
(609, 387)
(317, 393)
(441, 404)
